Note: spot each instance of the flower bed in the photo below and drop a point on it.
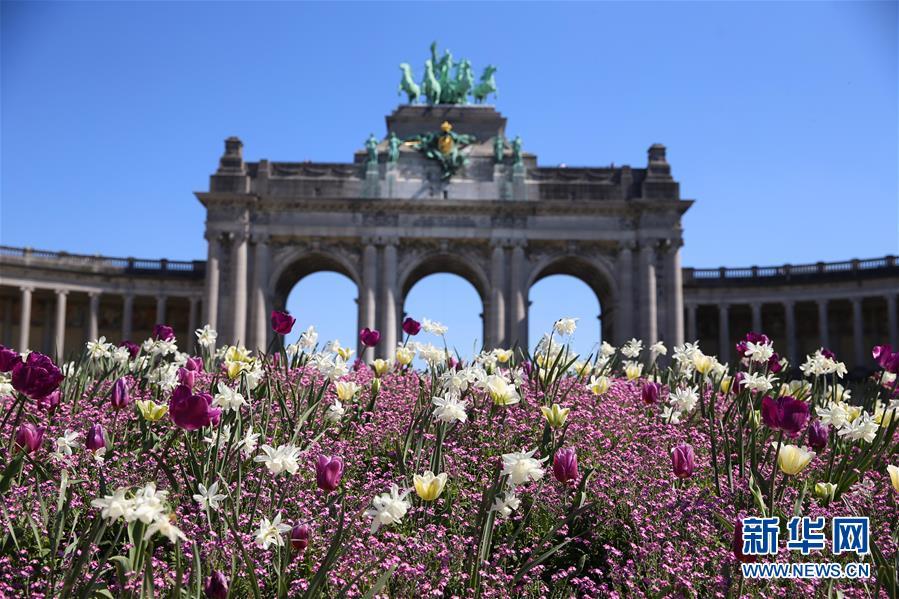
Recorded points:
(143, 471)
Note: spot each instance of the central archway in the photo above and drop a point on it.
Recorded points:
(596, 273)
(447, 298)
(326, 284)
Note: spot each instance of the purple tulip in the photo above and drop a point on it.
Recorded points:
(187, 377)
(650, 393)
(527, 368)
(328, 471)
(163, 332)
(282, 322)
(828, 354)
(774, 365)
(818, 435)
(369, 337)
(737, 384)
(886, 358)
(683, 461)
(194, 364)
(8, 358)
(565, 465)
(192, 411)
(36, 377)
(49, 403)
(411, 326)
(133, 348)
(120, 396)
(94, 439)
(299, 536)
(785, 413)
(29, 437)
(216, 586)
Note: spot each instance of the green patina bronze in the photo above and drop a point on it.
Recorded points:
(516, 151)
(446, 81)
(499, 148)
(371, 147)
(444, 147)
(393, 148)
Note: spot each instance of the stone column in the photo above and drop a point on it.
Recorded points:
(192, 323)
(239, 287)
(367, 292)
(674, 291)
(648, 297)
(7, 322)
(823, 332)
(624, 324)
(692, 335)
(756, 308)
(388, 305)
(724, 332)
(93, 316)
(211, 295)
(518, 313)
(790, 319)
(858, 332)
(25, 319)
(893, 334)
(160, 308)
(259, 310)
(59, 344)
(497, 295)
(127, 316)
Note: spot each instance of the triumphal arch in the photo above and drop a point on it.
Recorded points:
(444, 190)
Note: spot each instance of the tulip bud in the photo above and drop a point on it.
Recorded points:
(120, 396)
(556, 415)
(818, 435)
(565, 465)
(163, 332)
(299, 536)
(94, 439)
(282, 322)
(369, 337)
(650, 393)
(29, 437)
(825, 490)
(755, 419)
(49, 403)
(328, 471)
(429, 486)
(375, 386)
(411, 326)
(893, 471)
(187, 377)
(683, 461)
(216, 586)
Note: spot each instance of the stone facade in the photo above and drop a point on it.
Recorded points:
(500, 224)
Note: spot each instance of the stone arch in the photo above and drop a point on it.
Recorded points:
(290, 267)
(597, 273)
(461, 264)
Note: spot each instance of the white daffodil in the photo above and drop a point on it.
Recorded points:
(282, 459)
(165, 527)
(206, 336)
(271, 532)
(505, 505)
(758, 352)
(522, 467)
(248, 444)
(67, 442)
(335, 412)
(209, 497)
(433, 327)
(388, 508)
(308, 339)
(632, 348)
(863, 428)
(565, 326)
(227, 398)
(658, 349)
(99, 349)
(114, 506)
(450, 409)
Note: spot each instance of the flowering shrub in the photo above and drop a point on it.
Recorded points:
(143, 471)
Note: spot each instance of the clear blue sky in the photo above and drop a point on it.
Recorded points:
(780, 118)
